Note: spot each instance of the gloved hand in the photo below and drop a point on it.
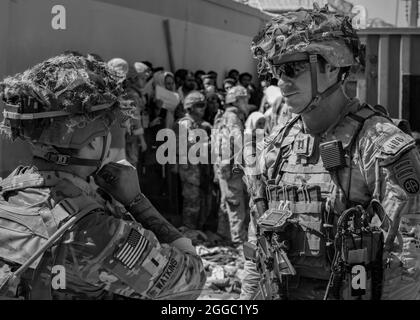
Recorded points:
(120, 181)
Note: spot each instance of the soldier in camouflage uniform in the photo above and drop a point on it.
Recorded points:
(335, 154)
(229, 129)
(111, 242)
(191, 174)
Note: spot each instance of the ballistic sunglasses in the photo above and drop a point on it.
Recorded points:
(290, 69)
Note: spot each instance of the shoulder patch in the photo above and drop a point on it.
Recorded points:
(395, 143)
(406, 174)
(383, 140)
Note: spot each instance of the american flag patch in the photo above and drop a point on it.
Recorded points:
(132, 249)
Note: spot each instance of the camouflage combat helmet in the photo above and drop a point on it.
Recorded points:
(63, 103)
(234, 93)
(302, 35)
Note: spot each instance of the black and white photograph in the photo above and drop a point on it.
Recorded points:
(214, 154)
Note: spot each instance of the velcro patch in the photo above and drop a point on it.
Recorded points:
(162, 281)
(395, 143)
(132, 249)
(406, 175)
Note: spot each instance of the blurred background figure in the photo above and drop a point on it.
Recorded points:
(117, 149)
(256, 120)
(416, 136)
(228, 83)
(135, 141)
(209, 84)
(198, 79)
(245, 80)
(188, 85)
(213, 75)
(233, 74)
(228, 145)
(180, 76)
(194, 177)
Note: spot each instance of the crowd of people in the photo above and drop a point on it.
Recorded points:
(195, 197)
(202, 197)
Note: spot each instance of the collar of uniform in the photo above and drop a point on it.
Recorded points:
(345, 128)
(351, 106)
(51, 178)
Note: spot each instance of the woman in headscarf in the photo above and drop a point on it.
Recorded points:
(166, 79)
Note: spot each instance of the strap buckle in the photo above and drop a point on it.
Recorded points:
(313, 58)
(60, 159)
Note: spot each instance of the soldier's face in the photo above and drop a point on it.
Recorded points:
(296, 84)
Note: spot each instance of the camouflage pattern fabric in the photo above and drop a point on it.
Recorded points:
(194, 198)
(70, 86)
(107, 255)
(379, 143)
(228, 146)
(134, 127)
(317, 31)
(191, 195)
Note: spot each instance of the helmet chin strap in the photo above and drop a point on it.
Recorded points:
(65, 160)
(316, 96)
(103, 155)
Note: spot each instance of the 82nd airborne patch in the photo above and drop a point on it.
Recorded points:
(406, 175)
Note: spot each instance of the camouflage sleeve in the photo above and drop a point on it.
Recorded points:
(124, 258)
(233, 138)
(135, 123)
(185, 126)
(391, 167)
(266, 154)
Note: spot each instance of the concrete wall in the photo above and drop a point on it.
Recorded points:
(206, 34)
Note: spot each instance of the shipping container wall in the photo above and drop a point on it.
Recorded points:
(392, 73)
(204, 34)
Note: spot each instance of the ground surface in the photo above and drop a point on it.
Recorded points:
(224, 266)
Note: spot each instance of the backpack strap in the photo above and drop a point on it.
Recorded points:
(280, 136)
(69, 211)
(364, 113)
